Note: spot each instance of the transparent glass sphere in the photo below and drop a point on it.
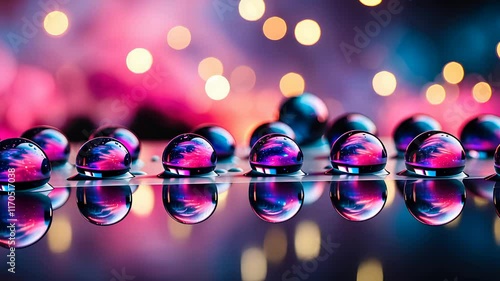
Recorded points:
(481, 135)
(435, 153)
(276, 127)
(190, 203)
(358, 200)
(23, 164)
(53, 142)
(411, 127)
(358, 152)
(221, 140)
(103, 157)
(104, 205)
(349, 122)
(276, 154)
(276, 201)
(307, 115)
(122, 134)
(189, 154)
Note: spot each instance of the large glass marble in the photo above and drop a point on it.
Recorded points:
(59, 196)
(276, 127)
(104, 205)
(31, 216)
(190, 203)
(435, 153)
(349, 122)
(274, 201)
(411, 127)
(23, 164)
(307, 115)
(276, 154)
(189, 155)
(124, 135)
(435, 202)
(358, 152)
(221, 140)
(103, 157)
(358, 200)
(53, 142)
(481, 135)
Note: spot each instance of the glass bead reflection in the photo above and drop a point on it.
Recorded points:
(190, 203)
(435, 202)
(497, 160)
(276, 127)
(33, 214)
(411, 127)
(358, 200)
(496, 198)
(188, 155)
(435, 153)
(306, 115)
(221, 140)
(349, 122)
(124, 135)
(24, 162)
(53, 142)
(358, 152)
(276, 201)
(276, 154)
(481, 135)
(104, 205)
(59, 196)
(103, 157)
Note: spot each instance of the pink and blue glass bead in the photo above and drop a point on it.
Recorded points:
(275, 127)
(276, 154)
(411, 127)
(53, 142)
(349, 122)
(481, 135)
(122, 134)
(104, 205)
(276, 202)
(190, 203)
(221, 140)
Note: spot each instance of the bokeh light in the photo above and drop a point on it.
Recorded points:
(481, 92)
(251, 10)
(56, 23)
(292, 84)
(498, 49)
(384, 83)
(435, 94)
(370, 3)
(453, 72)
(209, 67)
(179, 38)
(275, 243)
(307, 32)
(370, 270)
(242, 79)
(274, 28)
(253, 265)
(60, 235)
(217, 87)
(144, 201)
(139, 60)
(307, 240)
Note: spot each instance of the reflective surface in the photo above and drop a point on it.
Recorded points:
(306, 115)
(222, 141)
(276, 154)
(435, 153)
(124, 135)
(276, 127)
(411, 127)
(481, 135)
(276, 201)
(53, 142)
(497, 160)
(349, 122)
(103, 157)
(190, 203)
(358, 152)
(104, 205)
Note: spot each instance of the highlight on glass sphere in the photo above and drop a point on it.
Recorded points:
(349, 122)
(123, 135)
(435, 202)
(276, 154)
(59, 196)
(33, 214)
(434, 154)
(23, 163)
(481, 135)
(104, 205)
(411, 127)
(53, 142)
(307, 115)
(267, 128)
(103, 157)
(276, 202)
(358, 152)
(188, 155)
(190, 203)
(358, 200)
(221, 140)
